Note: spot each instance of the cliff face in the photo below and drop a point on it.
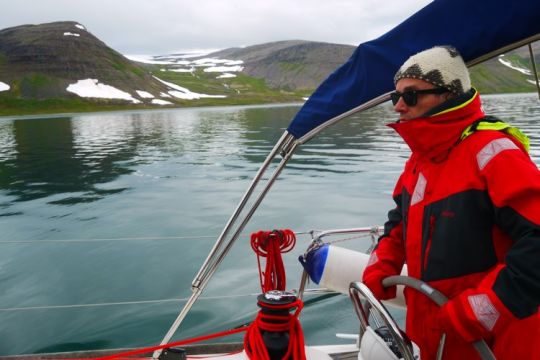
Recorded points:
(41, 60)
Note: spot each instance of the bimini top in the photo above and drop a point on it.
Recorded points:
(474, 27)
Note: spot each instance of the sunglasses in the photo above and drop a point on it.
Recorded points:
(410, 97)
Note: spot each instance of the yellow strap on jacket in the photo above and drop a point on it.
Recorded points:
(490, 123)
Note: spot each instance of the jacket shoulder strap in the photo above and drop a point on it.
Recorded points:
(493, 123)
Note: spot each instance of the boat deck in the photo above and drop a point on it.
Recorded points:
(191, 350)
(346, 356)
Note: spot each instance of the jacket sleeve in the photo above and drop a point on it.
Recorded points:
(511, 290)
(388, 256)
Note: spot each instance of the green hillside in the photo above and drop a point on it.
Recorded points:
(240, 90)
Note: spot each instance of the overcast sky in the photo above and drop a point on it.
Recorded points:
(162, 26)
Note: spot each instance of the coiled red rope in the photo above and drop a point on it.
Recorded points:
(271, 244)
(253, 341)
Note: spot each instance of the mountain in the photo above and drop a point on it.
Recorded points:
(290, 64)
(41, 61)
(301, 66)
(62, 67)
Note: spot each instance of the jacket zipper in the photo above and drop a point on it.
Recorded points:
(432, 221)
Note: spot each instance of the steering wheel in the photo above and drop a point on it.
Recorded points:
(365, 302)
(403, 344)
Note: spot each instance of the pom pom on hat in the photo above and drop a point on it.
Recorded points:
(441, 66)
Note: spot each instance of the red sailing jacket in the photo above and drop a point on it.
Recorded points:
(466, 222)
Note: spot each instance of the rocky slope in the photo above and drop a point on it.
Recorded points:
(290, 64)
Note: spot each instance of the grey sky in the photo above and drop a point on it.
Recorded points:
(163, 26)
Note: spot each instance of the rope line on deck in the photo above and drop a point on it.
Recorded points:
(131, 353)
(149, 238)
(53, 307)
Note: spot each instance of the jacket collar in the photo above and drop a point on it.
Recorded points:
(434, 134)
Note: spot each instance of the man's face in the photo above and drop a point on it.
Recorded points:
(424, 103)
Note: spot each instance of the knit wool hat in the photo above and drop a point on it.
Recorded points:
(441, 66)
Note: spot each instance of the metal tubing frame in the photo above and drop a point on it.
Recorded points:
(365, 106)
(221, 246)
(317, 239)
(503, 50)
(533, 62)
(373, 229)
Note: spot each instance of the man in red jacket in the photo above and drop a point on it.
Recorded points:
(467, 217)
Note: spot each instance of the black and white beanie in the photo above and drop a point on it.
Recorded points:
(441, 66)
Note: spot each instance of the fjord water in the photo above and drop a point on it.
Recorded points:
(105, 218)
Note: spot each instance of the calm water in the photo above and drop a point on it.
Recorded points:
(123, 207)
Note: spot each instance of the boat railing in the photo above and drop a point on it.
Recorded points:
(320, 237)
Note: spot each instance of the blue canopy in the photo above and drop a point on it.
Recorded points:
(474, 27)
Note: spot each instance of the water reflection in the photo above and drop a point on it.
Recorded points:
(76, 159)
(43, 160)
(78, 156)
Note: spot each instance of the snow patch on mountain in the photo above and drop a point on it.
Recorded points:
(144, 94)
(145, 59)
(4, 86)
(183, 65)
(161, 102)
(507, 63)
(92, 88)
(224, 69)
(183, 93)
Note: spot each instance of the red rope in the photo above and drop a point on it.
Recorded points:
(126, 354)
(270, 244)
(253, 341)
